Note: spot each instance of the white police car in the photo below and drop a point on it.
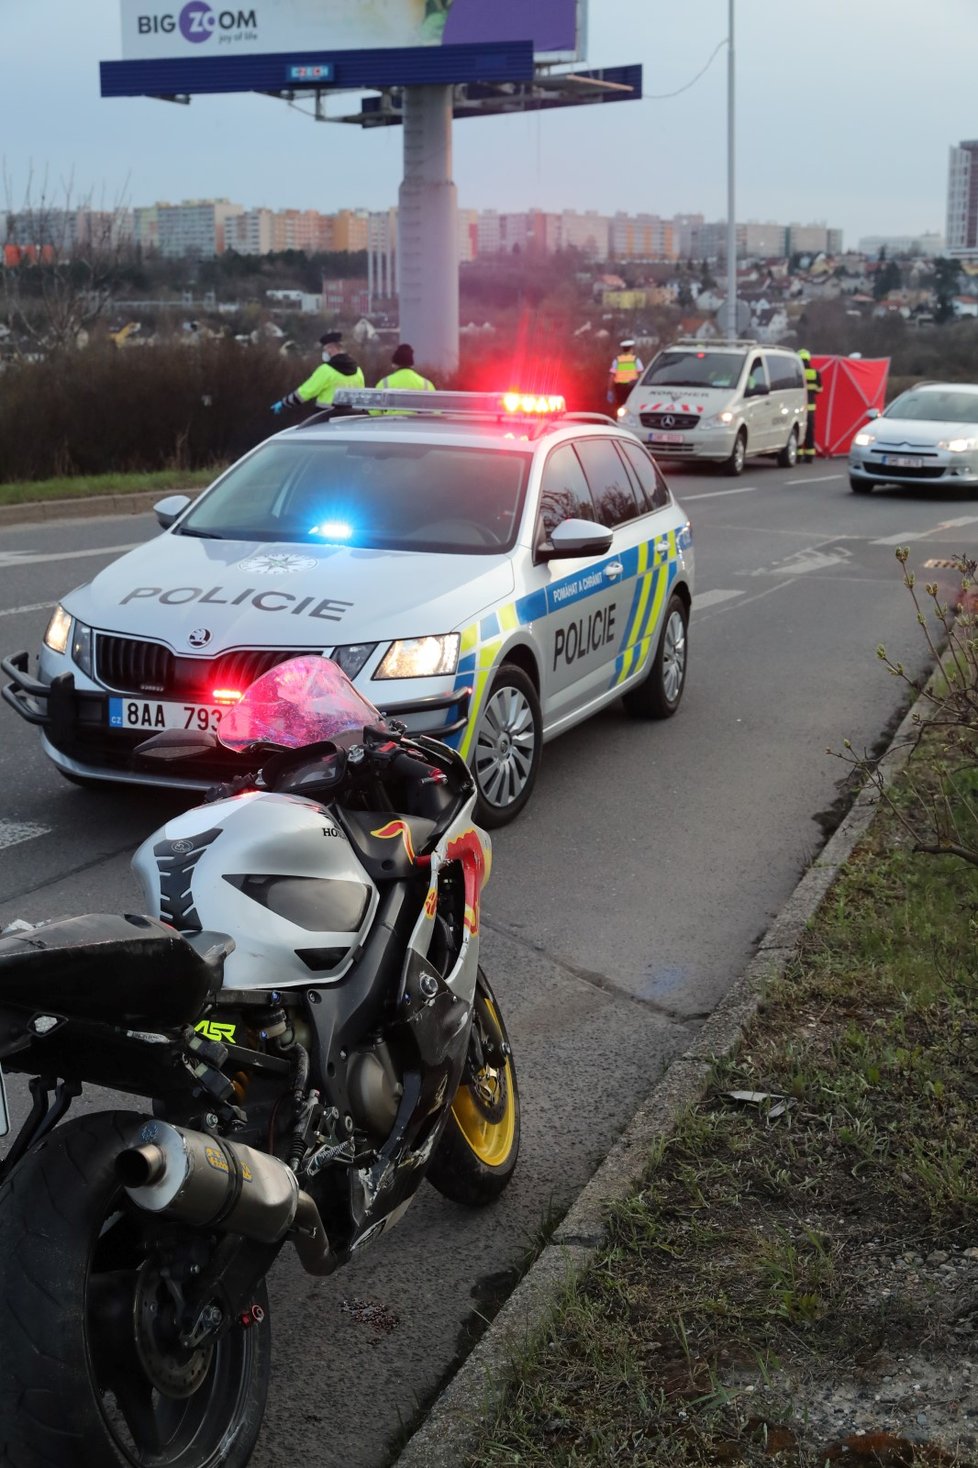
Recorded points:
(489, 569)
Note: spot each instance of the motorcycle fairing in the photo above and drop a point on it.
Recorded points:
(434, 1018)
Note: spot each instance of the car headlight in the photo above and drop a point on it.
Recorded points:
(81, 648)
(420, 657)
(719, 420)
(59, 630)
(352, 657)
(958, 445)
(863, 440)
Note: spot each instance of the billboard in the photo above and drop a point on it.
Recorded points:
(186, 29)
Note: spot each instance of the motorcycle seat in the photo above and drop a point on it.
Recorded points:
(126, 969)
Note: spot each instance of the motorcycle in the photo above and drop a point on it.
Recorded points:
(303, 1007)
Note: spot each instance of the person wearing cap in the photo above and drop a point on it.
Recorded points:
(338, 370)
(813, 383)
(405, 375)
(624, 372)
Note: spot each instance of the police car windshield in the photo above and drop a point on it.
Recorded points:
(379, 496)
(695, 369)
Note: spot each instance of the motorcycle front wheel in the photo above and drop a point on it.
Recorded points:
(477, 1152)
(91, 1372)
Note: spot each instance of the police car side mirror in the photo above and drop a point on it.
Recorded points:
(872, 413)
(166, 511)
(576, 538)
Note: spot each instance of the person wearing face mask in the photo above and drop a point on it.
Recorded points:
(338, 370)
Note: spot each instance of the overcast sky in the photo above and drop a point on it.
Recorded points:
(845, 112)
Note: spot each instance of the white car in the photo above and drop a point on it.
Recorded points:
(926, 438)
(486, 572)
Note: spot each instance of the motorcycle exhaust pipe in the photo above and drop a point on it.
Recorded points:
(209, 1182)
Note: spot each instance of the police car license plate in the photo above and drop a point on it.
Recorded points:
(4, 1113)
(666, 438)
(135, 713)
(902, 461)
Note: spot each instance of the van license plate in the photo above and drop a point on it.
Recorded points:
(902, 461)
(136, 713)
(4, 1113)
(666, 438)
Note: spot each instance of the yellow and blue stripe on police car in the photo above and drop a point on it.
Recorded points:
(652, 566)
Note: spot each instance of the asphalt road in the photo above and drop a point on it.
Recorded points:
(622, 905)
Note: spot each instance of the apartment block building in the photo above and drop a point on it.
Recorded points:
(197, 227)
(962, 201)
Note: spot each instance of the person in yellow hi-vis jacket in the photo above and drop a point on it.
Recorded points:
(405, 375)
(813, 384)
(624, 372)
(338, 370)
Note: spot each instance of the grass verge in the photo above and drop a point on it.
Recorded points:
(173, 481)
(797, 1280)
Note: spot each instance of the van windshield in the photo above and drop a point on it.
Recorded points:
(694, 368)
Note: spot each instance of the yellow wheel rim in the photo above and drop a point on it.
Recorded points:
(491, 1141)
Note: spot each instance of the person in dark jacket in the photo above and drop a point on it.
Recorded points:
(338, 370)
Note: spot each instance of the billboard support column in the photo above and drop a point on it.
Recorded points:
(427, 250)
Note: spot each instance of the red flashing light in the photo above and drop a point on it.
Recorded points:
(526, 403)
(226, 695)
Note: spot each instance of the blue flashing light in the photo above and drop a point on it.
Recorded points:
(332, 530)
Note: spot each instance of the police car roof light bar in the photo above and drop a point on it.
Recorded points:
(466, 404)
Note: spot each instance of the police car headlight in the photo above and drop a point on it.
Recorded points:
(863, 440)
(81, 648)
(420, 657)
(352, 657)
(59, 630)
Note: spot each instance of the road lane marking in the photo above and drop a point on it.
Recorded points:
(713, 494)
(37, 606)
(822, 479)
(809, 559)
(24, 558)
(13, 832)
(908, 535)
(713, 599)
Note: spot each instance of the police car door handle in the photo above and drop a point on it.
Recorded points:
(662, 546)
(613, 570)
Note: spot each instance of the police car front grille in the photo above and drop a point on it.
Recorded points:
(129, 665)
(678, 421)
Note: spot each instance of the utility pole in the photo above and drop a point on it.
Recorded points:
(731, 213)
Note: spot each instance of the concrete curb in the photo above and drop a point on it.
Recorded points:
(37, 512)
(445, 1437)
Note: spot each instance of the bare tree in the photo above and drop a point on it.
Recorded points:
(62, 263)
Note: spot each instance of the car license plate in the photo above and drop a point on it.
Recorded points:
(666, 438)
(902, 461)
(137, 713)
(4, 1113)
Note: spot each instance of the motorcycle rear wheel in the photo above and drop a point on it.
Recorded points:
(477, 1153)
(82, 1307)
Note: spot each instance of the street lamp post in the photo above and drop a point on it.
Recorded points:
(731, 215)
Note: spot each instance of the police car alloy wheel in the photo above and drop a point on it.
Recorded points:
(508, 742)
(659, 696)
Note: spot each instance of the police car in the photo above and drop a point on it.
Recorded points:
(488, 569)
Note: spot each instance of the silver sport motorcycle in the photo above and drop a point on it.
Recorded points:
(304, 1018)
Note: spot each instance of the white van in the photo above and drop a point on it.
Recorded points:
(726, 401)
